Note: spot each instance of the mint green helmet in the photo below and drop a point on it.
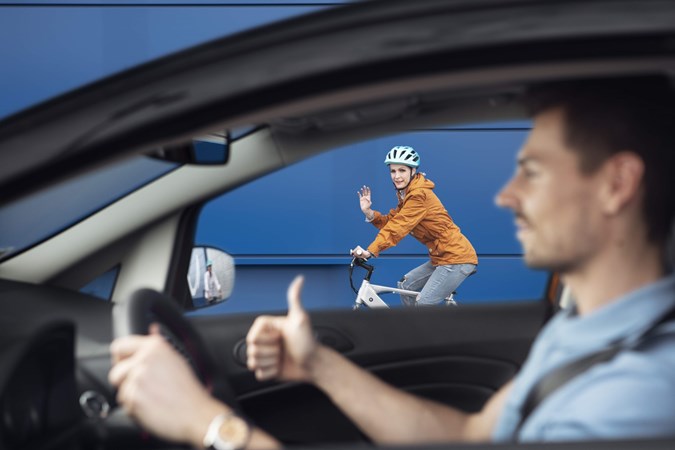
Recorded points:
(404, 155)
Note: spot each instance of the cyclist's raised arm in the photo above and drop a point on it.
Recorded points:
(398, 225)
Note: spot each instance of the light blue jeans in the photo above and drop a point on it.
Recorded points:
(434, 283)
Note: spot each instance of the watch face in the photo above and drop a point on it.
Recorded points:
(233, 433)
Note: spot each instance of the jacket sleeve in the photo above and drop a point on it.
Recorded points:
(380, 220)
(399, 225)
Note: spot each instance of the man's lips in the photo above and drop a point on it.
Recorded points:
(522, 225)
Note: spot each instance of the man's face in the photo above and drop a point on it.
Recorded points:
(400, 175)
(556, 207)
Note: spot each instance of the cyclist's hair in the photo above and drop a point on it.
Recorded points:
(610, 115)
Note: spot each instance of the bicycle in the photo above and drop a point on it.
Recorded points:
(368, 293)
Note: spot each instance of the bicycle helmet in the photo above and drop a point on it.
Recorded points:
(209, 263)
(402, 154)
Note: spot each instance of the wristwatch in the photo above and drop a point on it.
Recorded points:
(227, 431)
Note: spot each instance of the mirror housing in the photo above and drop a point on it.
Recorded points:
(213, 149)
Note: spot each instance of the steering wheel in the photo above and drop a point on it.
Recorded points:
(147, 306)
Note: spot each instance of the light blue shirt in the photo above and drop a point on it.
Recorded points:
(631, 396)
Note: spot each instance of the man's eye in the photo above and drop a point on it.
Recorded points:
(529, 174)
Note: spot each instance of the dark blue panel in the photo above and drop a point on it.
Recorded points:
(312, 207)
(64, 47)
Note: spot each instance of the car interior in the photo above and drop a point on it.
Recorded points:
(54, 339)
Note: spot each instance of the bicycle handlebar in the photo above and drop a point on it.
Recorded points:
(361, 262)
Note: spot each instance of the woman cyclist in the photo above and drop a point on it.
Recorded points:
(419, 213)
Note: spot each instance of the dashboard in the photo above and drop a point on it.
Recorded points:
(39, 396)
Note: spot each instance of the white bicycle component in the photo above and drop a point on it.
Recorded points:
(368, 293)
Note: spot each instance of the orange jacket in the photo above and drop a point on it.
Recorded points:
(421, 214)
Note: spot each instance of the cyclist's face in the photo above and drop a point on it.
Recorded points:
(400, 175)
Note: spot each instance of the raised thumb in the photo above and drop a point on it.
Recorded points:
(293, 294)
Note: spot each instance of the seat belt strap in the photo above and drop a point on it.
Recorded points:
(560, 376)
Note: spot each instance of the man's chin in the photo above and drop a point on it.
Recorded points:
(537, 262)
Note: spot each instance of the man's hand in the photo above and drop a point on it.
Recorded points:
(158, 388)
(283, 346)
(365, 202)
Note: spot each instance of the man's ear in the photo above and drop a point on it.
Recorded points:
(623, 175)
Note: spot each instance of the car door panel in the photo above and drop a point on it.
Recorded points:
(458, 356)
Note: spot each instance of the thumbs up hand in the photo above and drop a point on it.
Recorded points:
(282, 346)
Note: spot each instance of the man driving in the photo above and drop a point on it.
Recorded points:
(593, 200)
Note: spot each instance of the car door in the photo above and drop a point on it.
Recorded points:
(458, 356)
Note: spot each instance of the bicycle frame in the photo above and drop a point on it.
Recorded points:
(368, 293)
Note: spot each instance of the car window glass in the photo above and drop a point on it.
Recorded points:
(30, 220)
(305, 218)
(102, 286)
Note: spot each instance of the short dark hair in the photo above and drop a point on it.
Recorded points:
(610, 115)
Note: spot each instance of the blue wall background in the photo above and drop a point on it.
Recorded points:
(301, 219)
(48, 47)
(304, 219)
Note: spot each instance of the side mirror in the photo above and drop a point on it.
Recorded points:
(209, 287)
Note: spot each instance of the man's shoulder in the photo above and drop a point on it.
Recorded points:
(623, 397)
(638, 374)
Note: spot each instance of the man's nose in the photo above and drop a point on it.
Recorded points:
(505, 198)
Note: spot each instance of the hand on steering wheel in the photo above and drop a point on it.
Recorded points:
(167, 371)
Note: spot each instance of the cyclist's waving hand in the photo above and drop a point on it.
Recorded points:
(365, 202)
(283, 346)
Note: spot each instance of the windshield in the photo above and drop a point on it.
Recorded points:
(30, 220)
